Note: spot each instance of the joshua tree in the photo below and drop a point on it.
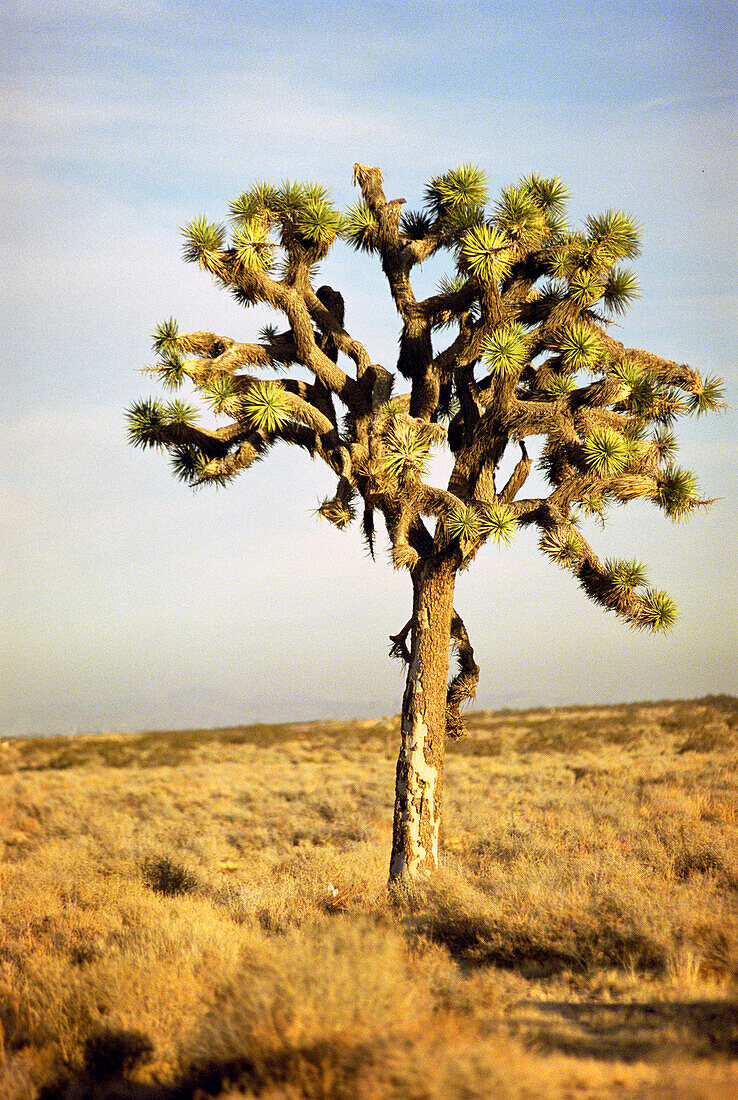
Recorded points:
(527, 353)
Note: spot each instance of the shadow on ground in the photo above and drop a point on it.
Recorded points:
(596, 1030)
(628, 1032)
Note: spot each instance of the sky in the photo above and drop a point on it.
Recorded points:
(131, 602)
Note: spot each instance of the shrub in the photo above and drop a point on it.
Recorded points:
(166, 877)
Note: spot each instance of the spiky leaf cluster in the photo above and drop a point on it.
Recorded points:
(360, 227)
(407, 450)
(266, 406)
(659, 610)
(338, 512)
(259, 200)
(580, 346)
(626, 371)
(559, 385)
(562, 546)
(625, 577)
(707, 397)
(549, 193)
(586, 288)
(505, 351)
(188, 463)
(485, 253)
(171, 369)
(520, 216)
(318, 221)
(164, 337)
(593, 504)
(663, 445)
(253, 245)
(221, 393)
(202, 238)
(179, 413)
(612, 236)
(463, 188)
(678, 492)
(465, 524)
(146, 421)
(415, 224)
(499, 522)
(621, 287)
(307, 220)
(606, 452)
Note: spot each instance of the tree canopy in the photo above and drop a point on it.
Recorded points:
(514, 344)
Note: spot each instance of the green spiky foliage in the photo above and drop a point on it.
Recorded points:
(606, 452)
(221, 393)
(485, 253)
(678, 492)
(593, 504)
(171, 369)
(261, 199)
(664, 445)
(626, 576)
(187, 464)
(505, 351)
(521, 216)
(360, 227)
(416, 224)
(516, 344)
(612, 236)
(318, 221)
(180, 413)
(307, 218)
(202, 238)
(146, 423)
(388, 411)
(499, 522)
(586, 288)
(266, 406)
(563, 547)
(550, 194)
(659, 610)
(707, 397)
(580, 346)
(559, 385)
(253, 245)
(465, 524)
(621, 287)
(164, 337)
(635, 449)
(627, 371)
(407, 451)
(464, 188)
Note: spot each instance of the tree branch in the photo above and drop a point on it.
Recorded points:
(517, 478)
(463, 687)
(399, 643)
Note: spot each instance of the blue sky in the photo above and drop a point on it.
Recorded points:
(130, 601)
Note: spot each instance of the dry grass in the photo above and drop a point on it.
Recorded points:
(204, 913)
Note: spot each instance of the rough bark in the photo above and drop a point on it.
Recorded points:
(419, 780)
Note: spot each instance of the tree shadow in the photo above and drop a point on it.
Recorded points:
(628, 1032)
(318, 1070)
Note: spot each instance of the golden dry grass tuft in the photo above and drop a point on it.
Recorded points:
(196, 914)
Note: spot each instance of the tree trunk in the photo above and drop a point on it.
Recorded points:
(419, 783)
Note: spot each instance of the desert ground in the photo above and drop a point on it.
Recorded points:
(196, 914)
